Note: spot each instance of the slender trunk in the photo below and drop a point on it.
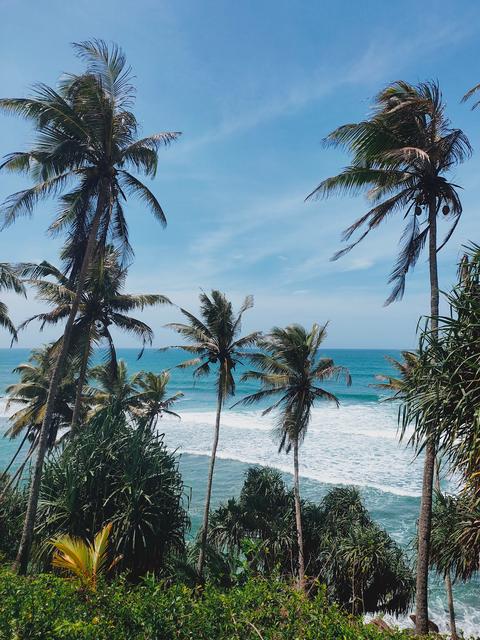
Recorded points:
(206, 513)
(425, 517)
(298, 518)
(80, 384)
(21, 561)
(448, 579)
(451, 608)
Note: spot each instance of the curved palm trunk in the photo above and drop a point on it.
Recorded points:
(21, 561)
(206, 512)
(80, 384)
(298, 518)
(425, 517)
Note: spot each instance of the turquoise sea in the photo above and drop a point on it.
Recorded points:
(356, 444)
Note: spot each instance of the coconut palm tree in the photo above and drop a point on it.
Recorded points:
(9, 281)
(87, 141)
(215, 341)
(103, 305)
(152, 399)
(31, 392)
(113, 388)
(290, 366)
(402, 156)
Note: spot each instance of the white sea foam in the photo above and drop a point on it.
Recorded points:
(355, 444)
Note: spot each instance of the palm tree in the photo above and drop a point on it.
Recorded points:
(290, 366)
(31, 392)
(402, 156)
(152, 399)
(215, 341)
(87, 138)
(9, 280)
(103, 305)
(114, 388)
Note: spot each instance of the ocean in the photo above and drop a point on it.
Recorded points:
(355, 444)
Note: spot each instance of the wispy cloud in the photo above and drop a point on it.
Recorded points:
(382, 57)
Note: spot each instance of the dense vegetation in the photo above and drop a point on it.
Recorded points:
(362, 567)
(266, 564)
(47, 606)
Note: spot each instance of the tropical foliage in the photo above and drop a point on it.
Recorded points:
(31, 392)
(104, 305)
(115, 472)
(268, 609)
(87, 561)
(9, 281)
(402, 156)
(361, 566)
(85, 151)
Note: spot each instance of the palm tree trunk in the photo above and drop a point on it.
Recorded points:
(425, 517)
(298, 518)
(448, 579)
(21, 561)
(206, 513)
(80, 384)
(451, 608)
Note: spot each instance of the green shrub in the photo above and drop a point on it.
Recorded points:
(362, 566)
(118, 472)
(54, 608)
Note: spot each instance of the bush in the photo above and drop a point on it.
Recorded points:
(53, 608)
(362, 566)
(114, 471)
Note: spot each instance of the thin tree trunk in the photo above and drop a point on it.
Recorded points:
(425, 517)
(21, 561)
(298, 518)
(448, 579)
(206, 513)
(80, 384)
(451, 607)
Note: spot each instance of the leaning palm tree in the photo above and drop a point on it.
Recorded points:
(103, 305)
(9, 281)
(215, 341)
(290, 366)
(152, 399)
(87, 141)
(402, 156)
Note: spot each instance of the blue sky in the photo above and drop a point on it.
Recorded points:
(254, 87)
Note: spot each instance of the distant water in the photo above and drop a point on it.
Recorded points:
(356, 444)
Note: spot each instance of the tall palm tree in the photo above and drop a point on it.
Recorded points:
(401, 156)
(87, 140)
(290, 366)
(9, 281)
(152, 399)
(103, 305)
(215, 340)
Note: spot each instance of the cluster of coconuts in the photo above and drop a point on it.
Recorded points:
(445, 210)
